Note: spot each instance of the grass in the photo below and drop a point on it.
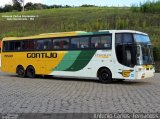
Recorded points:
(87, 19)
(54, 18)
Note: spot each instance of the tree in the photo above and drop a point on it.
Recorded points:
(7, 8)
(17, 5)
(39, 6)
(29, 6)
(86, 5)
(1, 9)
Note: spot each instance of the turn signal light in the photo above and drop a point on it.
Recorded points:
(141, 69)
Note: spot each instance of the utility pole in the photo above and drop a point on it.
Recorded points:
(23, 5)
(22, 2)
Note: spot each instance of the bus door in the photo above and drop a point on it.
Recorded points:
(125, 55)
(129, 61)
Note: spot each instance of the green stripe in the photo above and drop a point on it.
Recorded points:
(82, 60)
(68, 60)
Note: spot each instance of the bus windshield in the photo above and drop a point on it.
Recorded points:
(145, 48)
(147, 55)
(140, 38)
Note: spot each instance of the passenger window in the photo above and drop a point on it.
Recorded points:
(28, 45)
(5, 46)
(80, 42)
(40, 45)
(95, 42)
(17, 45)
(11, 46)
(101, 42)
(48, 44)
(61, 43)
(84, 42)
(106, 41)
(75, 43)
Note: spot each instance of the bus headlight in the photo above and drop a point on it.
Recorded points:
(141, 69)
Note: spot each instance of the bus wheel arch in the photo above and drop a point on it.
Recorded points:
(21, 71)
(30, 71)
(105, 75)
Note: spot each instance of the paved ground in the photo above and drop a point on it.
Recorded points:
(23, 95)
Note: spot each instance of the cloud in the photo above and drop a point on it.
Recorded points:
(3, 2)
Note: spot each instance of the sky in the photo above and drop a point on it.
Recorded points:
(81, 2)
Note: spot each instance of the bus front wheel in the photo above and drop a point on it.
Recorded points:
(20, 71)
(105, 75)
(30, 71)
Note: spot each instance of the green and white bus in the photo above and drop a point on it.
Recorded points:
(105, 55)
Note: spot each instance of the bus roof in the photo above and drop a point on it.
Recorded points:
(123, 31)
(52, 35)
(73, 33)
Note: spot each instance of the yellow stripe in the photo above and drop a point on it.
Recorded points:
(41, 65)
(47, 35)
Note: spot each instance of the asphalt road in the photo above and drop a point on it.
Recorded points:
(50, 95)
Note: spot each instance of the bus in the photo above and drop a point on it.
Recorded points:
(105, 55)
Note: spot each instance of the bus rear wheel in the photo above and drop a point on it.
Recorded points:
(30, 72)
(20, 71)
(105, 76)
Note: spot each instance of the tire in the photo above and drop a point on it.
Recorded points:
(30, 72)
(20, 71)
(105, 76)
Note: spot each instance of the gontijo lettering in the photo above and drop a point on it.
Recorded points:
(41, 55)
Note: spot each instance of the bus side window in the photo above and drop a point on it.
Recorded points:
(40, 45)
(11, 46)
(106, 41)
(80, 42)
(75, 43)
(64, 43)
(84, 42)
(48, 44)
(95, 42)
(56, 44)
(5, 46)
(29, 45)
(17, 45)
(24, 45)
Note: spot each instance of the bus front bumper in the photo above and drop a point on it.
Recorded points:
(144, 74)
